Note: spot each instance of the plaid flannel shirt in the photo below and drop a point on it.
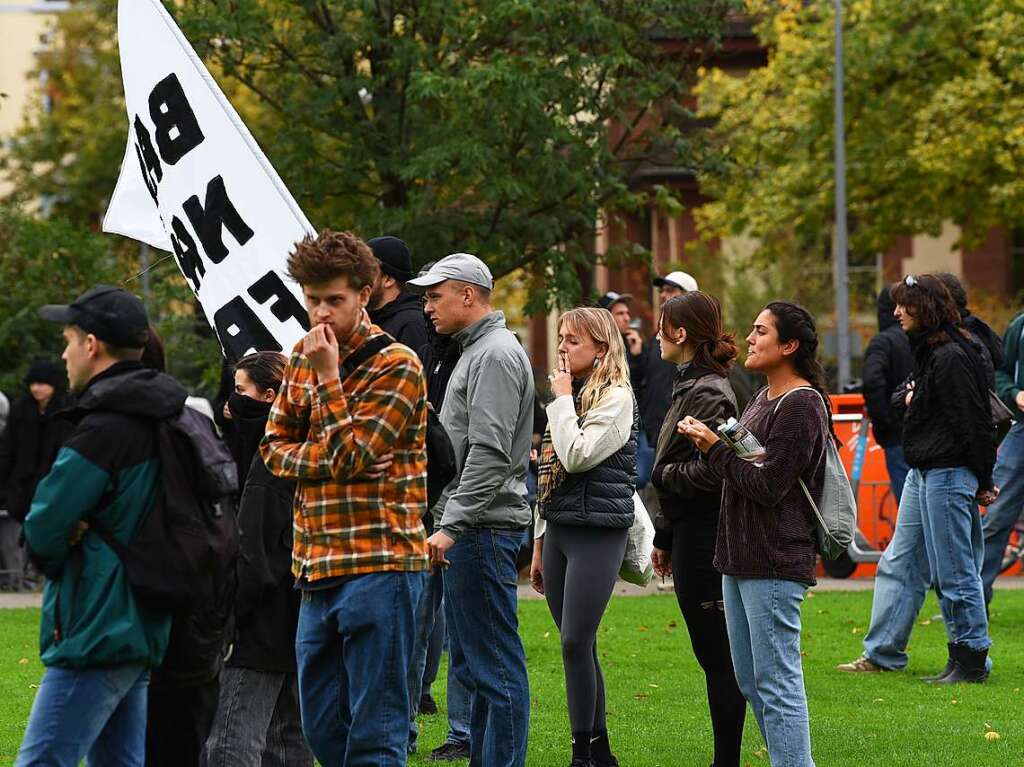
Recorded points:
(327, 436)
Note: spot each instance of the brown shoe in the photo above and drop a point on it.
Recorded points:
(862, 665)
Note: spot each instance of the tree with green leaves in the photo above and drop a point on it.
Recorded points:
(934, 94)
(479, 125)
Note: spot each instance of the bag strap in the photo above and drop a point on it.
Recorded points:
(363, 353)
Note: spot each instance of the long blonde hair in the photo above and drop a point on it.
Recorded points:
(612, 370)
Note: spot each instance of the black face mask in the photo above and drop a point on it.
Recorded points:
(245, 408)
(250, 421)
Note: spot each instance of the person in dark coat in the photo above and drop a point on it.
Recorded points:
(258, 714)
(977, 327)
(693, 338)
(888, 362)
(396, 311)
(28, 448)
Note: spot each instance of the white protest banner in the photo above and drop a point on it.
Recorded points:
(195, 182)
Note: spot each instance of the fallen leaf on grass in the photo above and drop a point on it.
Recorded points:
(856, 630)
(925, 622)
(810, 595)
(653, 685)
(672, 624)
(954, 701)
(991, 735)
(880, 700)
(23, 661)
(641, 628)
(547, 634)
(641, 696)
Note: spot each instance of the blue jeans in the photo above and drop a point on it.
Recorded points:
(901, 584)
(353, 646)
(427, 609)
(460, 709)
(98, 714)
(644, 460)
(896, 466)
(763, 618)
(257, 721)
(953, 540)
(487, 657)
(998, 521)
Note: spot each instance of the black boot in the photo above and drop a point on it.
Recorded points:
(968, 666)
(950, 662)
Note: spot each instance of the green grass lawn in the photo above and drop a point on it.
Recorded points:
(657, 712)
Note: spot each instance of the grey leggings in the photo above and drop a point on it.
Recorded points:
(580, 568)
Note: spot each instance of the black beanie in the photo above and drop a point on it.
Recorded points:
(45, 371)
(394, 256)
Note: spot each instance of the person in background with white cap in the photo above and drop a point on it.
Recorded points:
(488, 413)
(657, 375)
(392, 308)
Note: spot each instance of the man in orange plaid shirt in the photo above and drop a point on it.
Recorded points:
(350, 426)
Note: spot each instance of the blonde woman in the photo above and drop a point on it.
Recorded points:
(585, 501)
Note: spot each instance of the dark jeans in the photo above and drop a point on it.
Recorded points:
(480, 592)
(257, 721)
(896, 466)
(353, 646)
(698, 588)
(427, 610)
(179, 724)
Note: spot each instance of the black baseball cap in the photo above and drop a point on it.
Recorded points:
(394, 256)
(111, 314)
(609, 299)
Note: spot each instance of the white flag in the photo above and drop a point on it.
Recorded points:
(194, 181)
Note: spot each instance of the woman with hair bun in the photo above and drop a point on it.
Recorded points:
(766, 535)
(693, 338)
(586, 484)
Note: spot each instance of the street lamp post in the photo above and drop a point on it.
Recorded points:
(839, 245)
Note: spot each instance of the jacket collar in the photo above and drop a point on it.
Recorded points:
(468, 336)
(689, 377)
(357, 339)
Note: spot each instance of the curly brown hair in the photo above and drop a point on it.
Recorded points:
(928, 300)
(330, 255)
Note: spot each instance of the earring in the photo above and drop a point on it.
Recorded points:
(597, 361)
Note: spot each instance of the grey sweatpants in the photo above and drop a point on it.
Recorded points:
(581, 565)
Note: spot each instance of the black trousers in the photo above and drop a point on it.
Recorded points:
(178, 722)
(698, 588)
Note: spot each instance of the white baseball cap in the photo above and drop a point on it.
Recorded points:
(680, 280)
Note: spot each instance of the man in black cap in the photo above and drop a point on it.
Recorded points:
(92, 698)
(27, 449)
(393, 309)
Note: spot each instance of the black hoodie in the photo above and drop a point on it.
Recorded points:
(403, 319)
(888, 362)
(267, 604)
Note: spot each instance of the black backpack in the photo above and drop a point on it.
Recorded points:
(182, 556)
(441, 465)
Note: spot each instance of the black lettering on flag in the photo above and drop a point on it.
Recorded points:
(177, 129)
(211, 218)
(152, 173)
(186, 254)
(286, 306)
(241, 331)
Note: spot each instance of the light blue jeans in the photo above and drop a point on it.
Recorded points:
(98, 714)
(955, 547)
(998, 521)
(901, 584)
(763, 618)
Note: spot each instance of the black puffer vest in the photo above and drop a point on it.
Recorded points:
(602, 496)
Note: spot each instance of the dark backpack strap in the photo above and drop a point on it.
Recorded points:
(363, 353)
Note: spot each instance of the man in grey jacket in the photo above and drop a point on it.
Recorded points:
(488, 413)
